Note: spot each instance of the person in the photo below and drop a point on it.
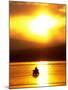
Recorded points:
(35, 72)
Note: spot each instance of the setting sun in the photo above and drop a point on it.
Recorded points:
(39, 24)
(42, 24)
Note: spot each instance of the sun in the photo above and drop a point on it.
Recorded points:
(41, 25)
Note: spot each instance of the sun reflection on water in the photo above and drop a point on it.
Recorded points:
(43, 73)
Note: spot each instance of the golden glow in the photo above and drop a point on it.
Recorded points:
(43, 76)
(39, 29)
(42, 24)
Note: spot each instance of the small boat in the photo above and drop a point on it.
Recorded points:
(35, 72)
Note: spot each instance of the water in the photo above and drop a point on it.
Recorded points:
(52, 73)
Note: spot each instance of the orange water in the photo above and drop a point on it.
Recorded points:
(52, 73)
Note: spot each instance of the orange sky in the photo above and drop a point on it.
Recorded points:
(38, 22)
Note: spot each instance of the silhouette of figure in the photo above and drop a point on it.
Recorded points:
(36, 69)
(35, 72)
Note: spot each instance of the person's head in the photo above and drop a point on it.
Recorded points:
(35, 67)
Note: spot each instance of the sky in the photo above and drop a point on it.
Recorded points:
(34, 25)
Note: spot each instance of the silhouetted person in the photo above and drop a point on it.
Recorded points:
(36, 69)
(35, 72)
